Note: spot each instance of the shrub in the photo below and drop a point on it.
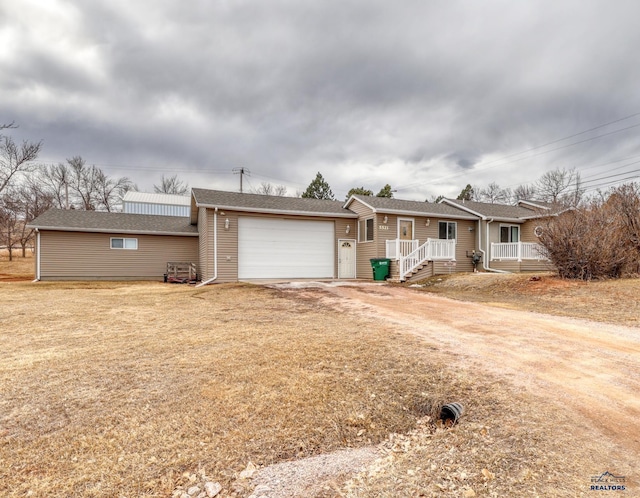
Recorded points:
(598, 240)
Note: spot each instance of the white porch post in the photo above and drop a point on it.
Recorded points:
(519, 252)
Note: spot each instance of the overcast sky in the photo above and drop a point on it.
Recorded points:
(424, 95)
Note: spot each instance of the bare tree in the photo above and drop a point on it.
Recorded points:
(110, 190)
(55, 180)
(171, 185)
(84, 183)
(524, 193)
(15, 158)
(8, 221)
(28, 201)
(560, 186)
(494, 194)
(267, 188)
(77, 186)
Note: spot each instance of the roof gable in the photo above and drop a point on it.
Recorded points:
(415, 208)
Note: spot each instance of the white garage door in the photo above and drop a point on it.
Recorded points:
(276, 248)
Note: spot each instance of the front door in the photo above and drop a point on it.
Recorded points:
(405, 234)
(406, 230)
(347, 259)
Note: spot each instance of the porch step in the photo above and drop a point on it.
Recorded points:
(421, 272)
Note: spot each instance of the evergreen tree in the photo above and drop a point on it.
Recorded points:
(385, 192)
(359, 191)
(318, 189)
(466, 194)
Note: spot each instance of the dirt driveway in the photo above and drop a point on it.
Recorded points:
(588, 368)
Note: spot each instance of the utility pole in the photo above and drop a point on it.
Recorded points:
(241, 172)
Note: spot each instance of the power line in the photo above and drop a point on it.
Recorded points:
(610, 183)
(516, 185)
(610, 176)
(405, 187)
(241, 172)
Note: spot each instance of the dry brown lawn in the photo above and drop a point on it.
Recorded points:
(126, 389)
(114, 389)
(611, 301)
(20, 269)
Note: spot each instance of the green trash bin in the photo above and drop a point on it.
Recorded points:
(380, 267)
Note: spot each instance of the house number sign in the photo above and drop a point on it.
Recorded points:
(383, 227)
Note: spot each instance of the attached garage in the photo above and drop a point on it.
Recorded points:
(285, 248)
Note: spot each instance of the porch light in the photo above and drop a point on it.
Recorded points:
(348, 229)
(427, 223)
(226, 224)
(385, 219)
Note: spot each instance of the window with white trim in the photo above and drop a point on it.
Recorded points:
(124, 243)
(365, 230)
(509, 233)
(447, 230)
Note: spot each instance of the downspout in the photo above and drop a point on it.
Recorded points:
(37, 279)
(485, 264)
(215, 250)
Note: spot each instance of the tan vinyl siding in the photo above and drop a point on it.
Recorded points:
(527, 230)
(524, 266)
(367, 250)
(360, 209)
(465, 244)
(383, 232)
(203, 230)
(227, 247)
(88, 256)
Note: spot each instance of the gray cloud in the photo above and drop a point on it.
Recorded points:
(423, 95)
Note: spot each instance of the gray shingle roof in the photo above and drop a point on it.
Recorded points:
(96, 221)
(386, 205)
(269, 203)
(498, 211)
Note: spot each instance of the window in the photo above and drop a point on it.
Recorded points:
(365, 230)
(122, 243)
(509, 233)
(447, 230)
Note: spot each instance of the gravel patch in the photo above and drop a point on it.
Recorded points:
(310, 476)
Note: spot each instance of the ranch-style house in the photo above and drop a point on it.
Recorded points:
(232, 237)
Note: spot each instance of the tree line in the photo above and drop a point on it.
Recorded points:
(27, 189)
(560, 186)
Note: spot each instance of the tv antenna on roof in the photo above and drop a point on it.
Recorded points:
(241, 172)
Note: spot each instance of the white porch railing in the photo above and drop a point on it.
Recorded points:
(431, 250)
(397, 248)
(517, 251)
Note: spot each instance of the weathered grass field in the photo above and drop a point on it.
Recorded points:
(112, 389)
